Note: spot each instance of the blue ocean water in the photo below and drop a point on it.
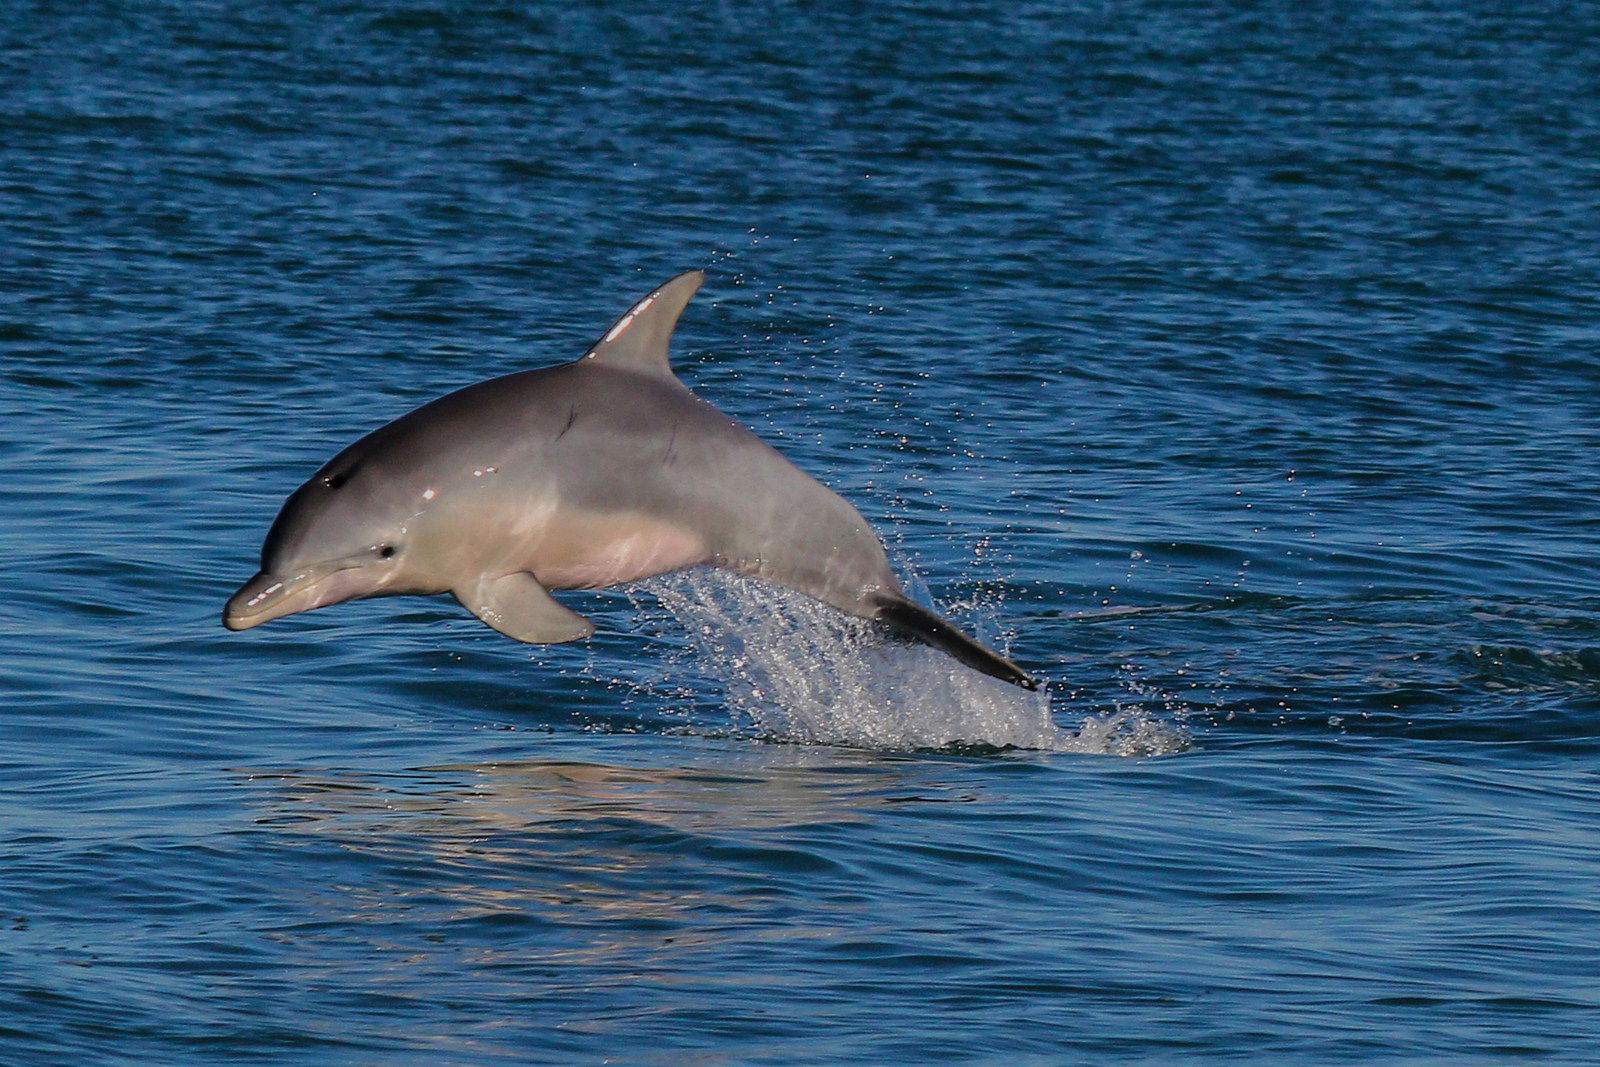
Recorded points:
(1233, 366)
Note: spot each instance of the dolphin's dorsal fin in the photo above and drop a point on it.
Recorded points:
(639, 340)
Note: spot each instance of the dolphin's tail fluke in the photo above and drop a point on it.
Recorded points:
(934, 630)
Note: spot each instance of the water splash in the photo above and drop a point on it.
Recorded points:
(794, 670)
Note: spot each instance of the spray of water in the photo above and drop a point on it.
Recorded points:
(794, 670)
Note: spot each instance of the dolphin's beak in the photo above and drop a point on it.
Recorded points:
(270, 596)
(264, 598)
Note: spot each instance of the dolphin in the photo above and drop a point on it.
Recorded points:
(585, 475)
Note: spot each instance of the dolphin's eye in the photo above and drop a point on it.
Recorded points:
(386, 552)
(334, 481)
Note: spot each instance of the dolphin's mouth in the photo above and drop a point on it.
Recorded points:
(270, 596)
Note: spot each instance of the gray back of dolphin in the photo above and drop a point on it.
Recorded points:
(589, 474)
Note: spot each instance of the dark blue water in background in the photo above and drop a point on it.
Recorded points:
(1235, 364)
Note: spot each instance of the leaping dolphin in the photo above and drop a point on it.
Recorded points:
(580, 476)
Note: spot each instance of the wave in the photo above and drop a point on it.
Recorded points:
(1514, 667)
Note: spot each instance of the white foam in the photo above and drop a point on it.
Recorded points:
(795, 670)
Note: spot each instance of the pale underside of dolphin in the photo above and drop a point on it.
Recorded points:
(586, 475)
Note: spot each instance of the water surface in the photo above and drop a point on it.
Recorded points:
(1232, 368)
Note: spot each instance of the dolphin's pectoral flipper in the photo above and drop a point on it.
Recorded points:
(934, 630)
(519, 607)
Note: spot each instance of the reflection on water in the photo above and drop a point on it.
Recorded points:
(562, 843)
(784, 788)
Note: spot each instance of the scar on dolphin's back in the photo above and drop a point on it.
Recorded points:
(572, 417)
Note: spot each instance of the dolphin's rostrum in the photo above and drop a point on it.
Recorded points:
(580, 476)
